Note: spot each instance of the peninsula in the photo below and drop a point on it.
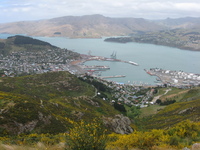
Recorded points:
(179, 38)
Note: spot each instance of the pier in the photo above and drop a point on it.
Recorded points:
(100, 58)
(95, 67)
(116, 76)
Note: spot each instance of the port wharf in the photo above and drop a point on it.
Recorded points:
(95, 68)
(175, 78)
(116, 76)
(100, 58)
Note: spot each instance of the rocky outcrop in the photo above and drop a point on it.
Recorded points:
(17, 127)
(77, 114)
(119, 124)
(185, 148)
(188, 110)
(29, 126)
(196, 146)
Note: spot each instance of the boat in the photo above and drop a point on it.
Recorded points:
(133, 63)
(113, 55)
(148, 72)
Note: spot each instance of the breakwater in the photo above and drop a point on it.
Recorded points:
(115, 76)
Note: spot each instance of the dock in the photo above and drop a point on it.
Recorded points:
(116, 76)
(100, 58)
(96, 67)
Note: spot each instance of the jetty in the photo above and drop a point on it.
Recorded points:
(115, 76)
(96, 67)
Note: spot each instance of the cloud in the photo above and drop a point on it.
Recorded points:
(45, 9)
(188, 6)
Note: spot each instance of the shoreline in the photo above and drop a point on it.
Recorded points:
(175, 78)
(186, 49)
(101, 37)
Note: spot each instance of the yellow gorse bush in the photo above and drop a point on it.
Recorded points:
(182, 135)
(139, 139)
(87, 136)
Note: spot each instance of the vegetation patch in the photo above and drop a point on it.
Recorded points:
(40, 103)
(173, 114)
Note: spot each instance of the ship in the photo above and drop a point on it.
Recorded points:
(147, 71)
(133, 63)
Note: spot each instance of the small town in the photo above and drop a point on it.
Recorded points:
(27, 62)
(130, 94)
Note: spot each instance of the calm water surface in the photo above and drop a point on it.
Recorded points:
(146, 55)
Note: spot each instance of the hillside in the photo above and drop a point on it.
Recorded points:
(188, 108)
(94, 26)
(22, 55)
(22, 43)
(185, 23)
(187, 39)
(53, 113)
(44, 103)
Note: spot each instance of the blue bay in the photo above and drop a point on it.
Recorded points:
(146, 55)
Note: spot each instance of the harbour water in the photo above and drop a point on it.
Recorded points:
(146, 55)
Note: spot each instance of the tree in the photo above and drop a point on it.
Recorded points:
(133, 112)
(119, 107)
(158, 101)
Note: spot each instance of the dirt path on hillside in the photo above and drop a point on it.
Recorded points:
(173, 95)
(157, 97)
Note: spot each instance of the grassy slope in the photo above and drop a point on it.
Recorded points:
(187, 108)
(173, 94)
(151, 110)
(47, 85)
(49, 99)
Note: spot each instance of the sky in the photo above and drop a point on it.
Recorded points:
(25, 10)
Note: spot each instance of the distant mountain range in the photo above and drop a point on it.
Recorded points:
(94, 26)
(185, 23)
